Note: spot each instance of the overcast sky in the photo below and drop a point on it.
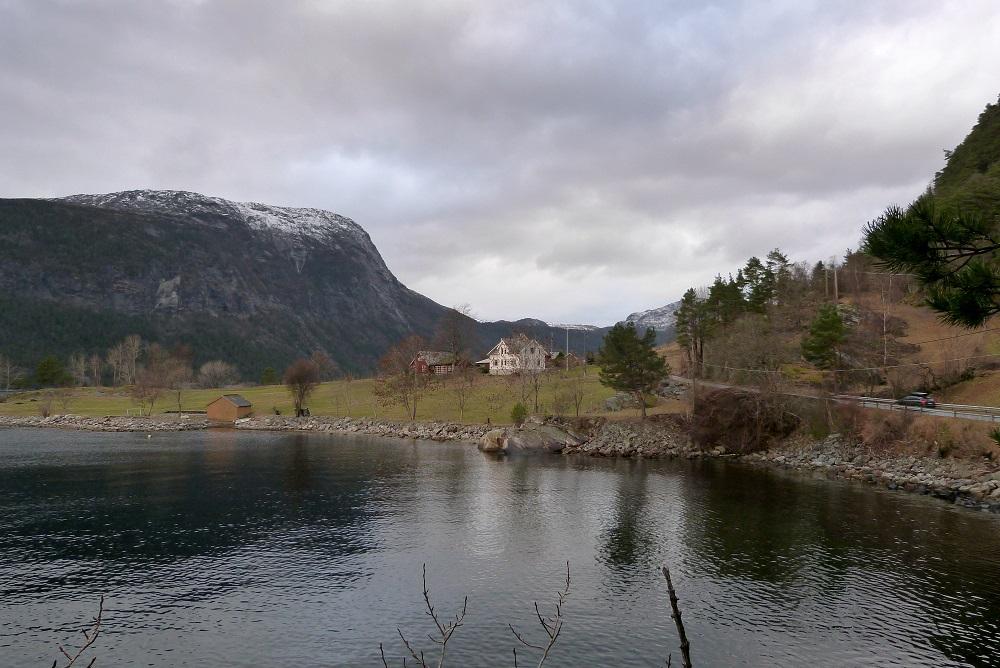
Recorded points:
(572, 161)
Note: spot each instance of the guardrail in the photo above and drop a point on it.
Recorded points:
(992, 413)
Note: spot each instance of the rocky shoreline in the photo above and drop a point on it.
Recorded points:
(430, 431)
(108, 423)
(972, 484)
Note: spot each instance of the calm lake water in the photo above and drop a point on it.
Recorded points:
(258, 549)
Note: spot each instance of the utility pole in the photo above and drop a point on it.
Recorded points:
(567, 350)
(885, 318)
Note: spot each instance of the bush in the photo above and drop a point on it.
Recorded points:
(741, 421)
(519, 414)
(885, 428)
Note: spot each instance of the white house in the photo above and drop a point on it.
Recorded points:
(517, 354)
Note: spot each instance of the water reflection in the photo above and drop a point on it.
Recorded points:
(227, 548)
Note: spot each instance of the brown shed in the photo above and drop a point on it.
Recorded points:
(229, 408)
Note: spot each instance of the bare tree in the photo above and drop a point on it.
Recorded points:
(8, 372)
(348, 378)
(64, 396)
(45, 403)
(398, 381)
(301, 379)
(178, 376)
(326, 367)
(148, 382)
(461, 385)
(132, 349)
(456, 333)
(78, 368)
(217, 374)
(95, 369)
(116, 360)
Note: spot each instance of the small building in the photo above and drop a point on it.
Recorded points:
(229, 408)
(434, 361)
(517, 354)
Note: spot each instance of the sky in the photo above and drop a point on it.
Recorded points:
(570, 161)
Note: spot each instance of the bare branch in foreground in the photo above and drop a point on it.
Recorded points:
(551, 625)
(445, 630)
(676, 615)
(90, 636)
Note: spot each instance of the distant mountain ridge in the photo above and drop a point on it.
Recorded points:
(254, 284)
(662, 319)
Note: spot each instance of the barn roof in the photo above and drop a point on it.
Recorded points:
(236, 400)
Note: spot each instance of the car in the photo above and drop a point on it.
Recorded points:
(921, 399)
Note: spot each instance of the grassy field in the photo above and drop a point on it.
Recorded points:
(491, 397)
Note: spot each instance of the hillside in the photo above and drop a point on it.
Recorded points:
(970, 179)
(252, 284)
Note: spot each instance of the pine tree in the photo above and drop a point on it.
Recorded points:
(630, 364)
(826, 335)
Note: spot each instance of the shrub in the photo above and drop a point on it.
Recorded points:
(519, 414)
(885, 428)
(741, 421)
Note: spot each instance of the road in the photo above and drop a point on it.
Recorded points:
(962, 412)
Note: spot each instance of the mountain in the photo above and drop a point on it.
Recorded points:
(252, 284)
(661, 319)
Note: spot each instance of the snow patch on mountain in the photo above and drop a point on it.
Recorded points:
(301, 222)
(661, 319)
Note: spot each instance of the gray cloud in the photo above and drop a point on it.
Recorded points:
(570, 161)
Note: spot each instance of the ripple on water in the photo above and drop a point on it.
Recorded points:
(280, 549)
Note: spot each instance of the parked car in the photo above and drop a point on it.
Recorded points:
(922, 399)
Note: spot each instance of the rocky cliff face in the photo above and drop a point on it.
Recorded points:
(255, 284)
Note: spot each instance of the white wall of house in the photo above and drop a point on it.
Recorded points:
(504, 361)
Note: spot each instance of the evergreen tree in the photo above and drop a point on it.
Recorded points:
(50, 371)
(269, 376)
(630, 364)
(826, 335)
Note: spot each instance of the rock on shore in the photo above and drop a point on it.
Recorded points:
(109, 423)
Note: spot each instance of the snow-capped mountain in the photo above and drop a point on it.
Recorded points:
(253, 284)
(661, 319)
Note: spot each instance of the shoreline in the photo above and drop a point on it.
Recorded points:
(963, 482)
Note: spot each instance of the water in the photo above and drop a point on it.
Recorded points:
(256, 549)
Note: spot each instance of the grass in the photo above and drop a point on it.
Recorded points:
(491, 397)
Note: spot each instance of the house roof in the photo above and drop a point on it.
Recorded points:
(518, 343)
(432, 357)
(236, 400)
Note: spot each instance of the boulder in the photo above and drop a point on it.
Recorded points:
(493, 441)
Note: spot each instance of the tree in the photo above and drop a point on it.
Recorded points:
(955, 255)
(151, 378)
(116, 360)
(269, 376)
(630, 364)
(456, 332)
(692, 325)
(78, 369)
(95, 369)
(8, 372)
(131, 349)
(461, 386)
(398, 381)
(326, 367)
(217, 374)
(50, 371)
(519, 414)
(826, 334)
(301, 378)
